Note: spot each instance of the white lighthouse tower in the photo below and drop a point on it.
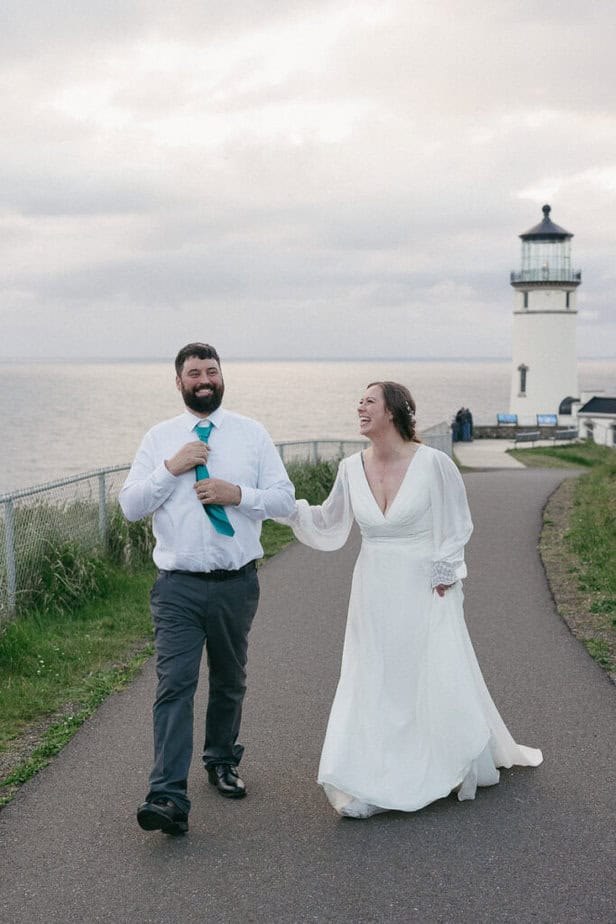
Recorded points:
(544, 374)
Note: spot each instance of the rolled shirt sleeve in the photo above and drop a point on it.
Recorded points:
(148, 485)
(274, 494)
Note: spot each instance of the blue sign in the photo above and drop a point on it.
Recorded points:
(507, 419)
(547, 420)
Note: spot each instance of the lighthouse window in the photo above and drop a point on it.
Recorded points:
(523, 370)
(525, 299)
(568, 300)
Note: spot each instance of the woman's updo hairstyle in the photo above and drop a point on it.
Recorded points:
(400, 404)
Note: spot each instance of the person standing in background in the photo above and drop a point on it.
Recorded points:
(467, 425)
(209, 477)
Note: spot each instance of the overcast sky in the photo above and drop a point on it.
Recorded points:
(299, 178)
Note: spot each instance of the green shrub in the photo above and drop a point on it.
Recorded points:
(313, 481)
(68, 576)
(129, 544)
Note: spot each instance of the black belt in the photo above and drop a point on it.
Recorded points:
(218, 575)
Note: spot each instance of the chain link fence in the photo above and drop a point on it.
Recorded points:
(77, 511)
(318, 450)
(36, 522)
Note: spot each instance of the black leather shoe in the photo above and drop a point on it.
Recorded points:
(162, 815)
(227, 780)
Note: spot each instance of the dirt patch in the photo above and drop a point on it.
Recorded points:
(562, 568)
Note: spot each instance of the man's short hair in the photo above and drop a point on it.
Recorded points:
(200, 350)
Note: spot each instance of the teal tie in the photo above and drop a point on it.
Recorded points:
(216, 513)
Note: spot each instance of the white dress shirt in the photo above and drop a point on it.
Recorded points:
(242, 453)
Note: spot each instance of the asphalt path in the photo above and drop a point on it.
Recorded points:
(539, 847)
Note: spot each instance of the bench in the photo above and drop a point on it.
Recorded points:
(531, 437)
(547, 420)
(565, 435)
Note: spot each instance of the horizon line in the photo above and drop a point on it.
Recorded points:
(278, 359)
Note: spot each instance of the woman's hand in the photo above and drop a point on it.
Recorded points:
(441, 588)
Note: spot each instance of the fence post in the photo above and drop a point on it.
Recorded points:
(9, 555)
(102, 509)
(314, 452)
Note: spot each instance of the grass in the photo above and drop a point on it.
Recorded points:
(592, 539)
(64, 664)
(578, 544)
(601, 652)
(274, 537)
(83, 630)
(578, 455)
(45, 657)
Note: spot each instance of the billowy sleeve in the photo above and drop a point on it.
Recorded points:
(451, 521)
(325, 527)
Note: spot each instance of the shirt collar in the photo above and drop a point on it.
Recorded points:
(191, 420)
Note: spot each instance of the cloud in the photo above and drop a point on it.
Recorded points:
(349, 178)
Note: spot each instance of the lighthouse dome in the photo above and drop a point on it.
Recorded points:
(546, 230)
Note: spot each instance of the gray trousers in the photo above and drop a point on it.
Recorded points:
(188, 612)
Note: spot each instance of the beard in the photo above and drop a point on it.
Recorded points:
(205, 403)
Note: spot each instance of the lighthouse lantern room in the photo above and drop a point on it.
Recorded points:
(544, 373)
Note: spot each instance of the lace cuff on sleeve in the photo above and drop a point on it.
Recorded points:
(444, 572)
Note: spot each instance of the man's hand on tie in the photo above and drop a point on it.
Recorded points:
(188, 457)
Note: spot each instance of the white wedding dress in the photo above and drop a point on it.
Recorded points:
(412, 719)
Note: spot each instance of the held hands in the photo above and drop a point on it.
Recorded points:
(189, 456)
(441, 588)
(217, 491)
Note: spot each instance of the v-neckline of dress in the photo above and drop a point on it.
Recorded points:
(398, 492)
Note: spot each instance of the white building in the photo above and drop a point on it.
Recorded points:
(544, 375)
(596, 420)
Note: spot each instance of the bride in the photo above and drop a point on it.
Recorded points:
(412, 719)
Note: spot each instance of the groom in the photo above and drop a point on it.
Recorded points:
(209, 477)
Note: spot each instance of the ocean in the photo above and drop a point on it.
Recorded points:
(63, 418)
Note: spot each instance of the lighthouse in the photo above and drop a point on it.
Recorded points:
(544, 370)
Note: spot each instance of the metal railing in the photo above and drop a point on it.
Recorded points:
(76, 509)
(545, 275)
(314, 450)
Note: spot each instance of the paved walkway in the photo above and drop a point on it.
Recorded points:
(486, 454)
(540, 847)
(483, 455)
